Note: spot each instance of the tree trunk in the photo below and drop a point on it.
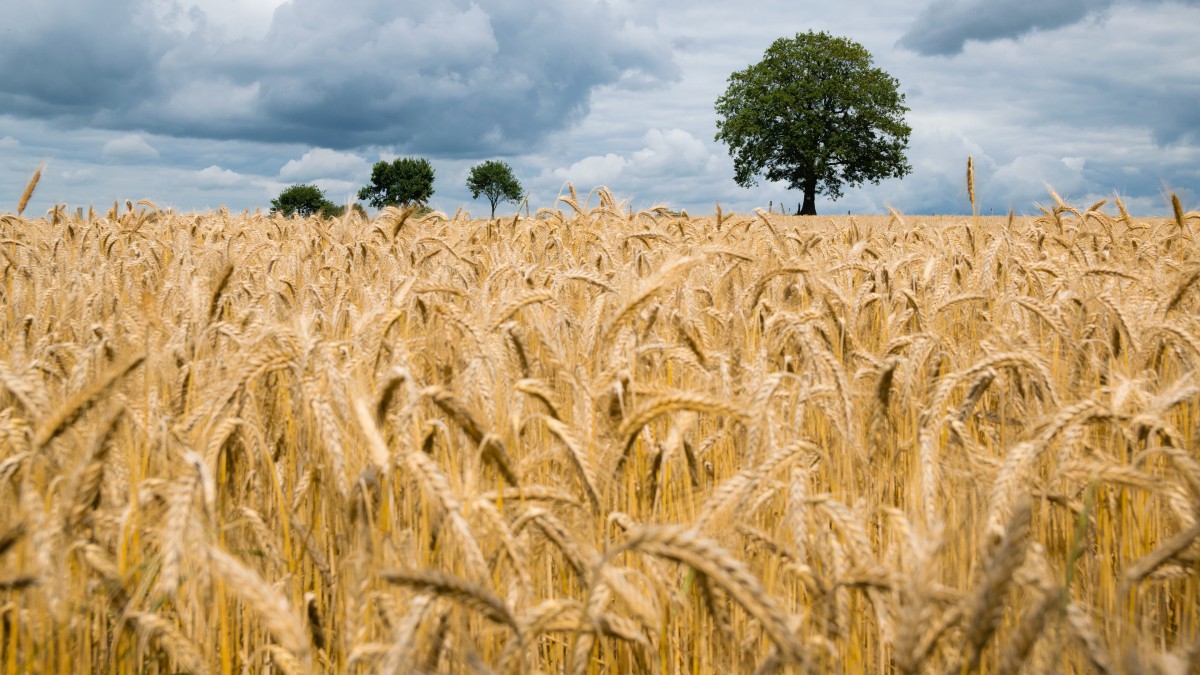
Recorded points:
(810, 198)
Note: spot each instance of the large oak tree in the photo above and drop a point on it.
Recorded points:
(817, 114)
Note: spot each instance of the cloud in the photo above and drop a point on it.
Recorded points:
(945, 26)
(229, 92)
(71, 57)
(594, 170)
(1059, 94)
(674, 148)
(338, 191)
(666, 151)
(234, 18)
(215, 177)
(1029, 174)
(129, 146)
(447, 77)
(671, 157)
(324, 163)
(86, 173)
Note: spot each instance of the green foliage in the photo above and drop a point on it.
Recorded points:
(815, 113)
(406, 180)
(301, 200)
(309, 200)
(494, 180)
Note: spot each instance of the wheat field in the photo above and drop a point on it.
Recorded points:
(599, 441)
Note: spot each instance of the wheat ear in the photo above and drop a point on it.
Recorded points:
(579, 458)
(457, 410)
(664, 276)
(1084, 630)
(181, 649)
(472, 596)
(683, 545)
(437, 489)
(665, 403)
(581, 559)
(971, 181)
(219, 289)
(87, 490)
(83, 401)
(29, 187)
(274, 609)
(985, 607)
(1160, 555)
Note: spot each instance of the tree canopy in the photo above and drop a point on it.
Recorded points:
(817, 114)
(407, 180)
(494, 180)
(302, 200)
(307, 200)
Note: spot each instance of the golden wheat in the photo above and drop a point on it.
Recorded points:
(600, 441)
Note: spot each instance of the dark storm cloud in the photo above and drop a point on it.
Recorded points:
(1124, 71)
(1175, 118)
(945, 26)
(448, 77)
(70, 58)
(198, 103)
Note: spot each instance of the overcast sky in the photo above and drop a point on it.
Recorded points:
(195, 104)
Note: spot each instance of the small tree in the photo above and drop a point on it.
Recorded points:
(406, 180)
(494, 180)
(814, 113)
(301, 200)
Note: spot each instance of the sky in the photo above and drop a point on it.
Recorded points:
(197, 104)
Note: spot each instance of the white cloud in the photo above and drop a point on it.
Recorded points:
(593, 171)
(78, 175)
(673, 150)
(216, 177)
(338, 191)
(1028, 175)
(9, 143)
(1075, 164)
(129, 146)
(237, 19)
(668, 154)
(322, 163)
